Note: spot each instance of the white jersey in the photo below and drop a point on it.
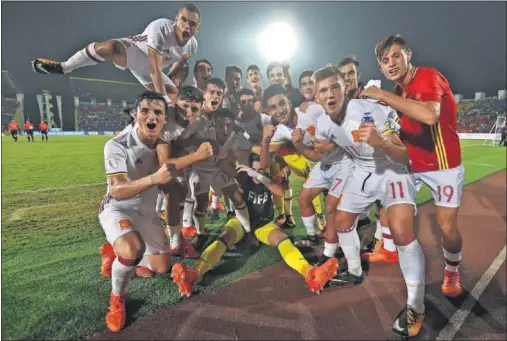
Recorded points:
(253, 128)
(125, 153)
(306, 121)
(160, 36)
(346, 135)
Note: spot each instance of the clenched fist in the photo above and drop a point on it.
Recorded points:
(164, 175)
(204, 151)
(297, 136)
(267, 132)
(368, 133)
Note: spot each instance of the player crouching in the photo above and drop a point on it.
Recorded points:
(257, 191)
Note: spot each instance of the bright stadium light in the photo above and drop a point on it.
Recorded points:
(278, 42)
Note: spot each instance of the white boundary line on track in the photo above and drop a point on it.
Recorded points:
(482, 164)
(54, 188)
(459, 317)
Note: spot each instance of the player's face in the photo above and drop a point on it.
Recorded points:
(223, 128)
(331, 95)
(279, 107)
(233, 81)
(204, 72)
(277, 76)
(246, 104)
(394, 63)
(256, 165)
(254, 78)
(213, 97)
(307, 88)
(188, 110)
(351, 76)
(187, 24)
(150, 116)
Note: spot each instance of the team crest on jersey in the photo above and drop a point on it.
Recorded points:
(311, 130)
(355, 135)
(112, 164)
(125, 224)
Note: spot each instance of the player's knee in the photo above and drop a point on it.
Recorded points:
(304, 199)
(276, 236)
(162, 264)
(130, 246)
(344, 221)
(230, 236)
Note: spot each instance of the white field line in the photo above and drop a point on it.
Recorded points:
(54, 188)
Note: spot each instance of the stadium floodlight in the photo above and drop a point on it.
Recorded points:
(278, 42)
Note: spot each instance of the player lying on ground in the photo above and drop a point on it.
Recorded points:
(257, 189)
(163, 42)
(133, 230)
(367, 131)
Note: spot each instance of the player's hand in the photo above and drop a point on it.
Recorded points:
(297, 136)
(373, 92)
(304, 106)
(285, 172)
(286, 64)
(164, 175)
(323, 146)
(267, 132)
(250, 171)
(368, 133)
(258, 107)
(204, 151)
(240, 115)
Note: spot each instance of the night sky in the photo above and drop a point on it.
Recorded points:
(466, 41)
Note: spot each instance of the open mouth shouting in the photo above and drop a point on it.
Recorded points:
(393, 71)
(214, 104)
(185, 34)
(152, 128)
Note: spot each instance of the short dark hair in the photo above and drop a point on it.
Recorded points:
(197, 62)
(223, 112)
(215, 81)
(151, 96)
(271, 91)
(191, 7)
(272, 65)
(348, 60)
(252, 67)
(253, 158)
(233, 68)
(305, 73)
(246, 91)
(385, 44)
(190, 93)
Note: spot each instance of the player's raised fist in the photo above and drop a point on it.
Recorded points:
(165, 174)
(267, 132)
(297, 136)
(204, 151)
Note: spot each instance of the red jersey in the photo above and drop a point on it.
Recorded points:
(28, 126)
(433, 147)
(13, 126)
(43, 126)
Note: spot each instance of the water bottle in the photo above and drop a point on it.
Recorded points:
(365, 147)
(367, 118)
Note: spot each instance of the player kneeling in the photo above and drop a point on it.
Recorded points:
(257, 191)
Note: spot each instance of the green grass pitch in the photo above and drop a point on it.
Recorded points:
(52, 288)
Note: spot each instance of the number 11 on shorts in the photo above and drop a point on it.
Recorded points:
(399, 187)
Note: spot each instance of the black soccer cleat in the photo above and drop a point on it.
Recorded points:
(289, 223)
(46, 66)
(309, 241)
(344, 278)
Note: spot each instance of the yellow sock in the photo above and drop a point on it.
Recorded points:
(288, 201)
(317, 205)
(210, 257)
(278, 204)
(293, 257)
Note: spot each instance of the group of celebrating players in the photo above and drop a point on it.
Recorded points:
(361, 146)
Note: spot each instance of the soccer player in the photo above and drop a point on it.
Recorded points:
(254, 79)
(306, 85)
(43, 127)
(349, 68)
(233, 75)
(14, 129)
(367, 131)
(426, 104)
(203, 71)
(134, 233)
(163, 42)
(278, 73)
(29, 130)
(278, 106)
(257, 189)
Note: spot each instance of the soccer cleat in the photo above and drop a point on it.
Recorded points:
(185, 250)
(289, 223)
(214, 214)
(186, 279)
(108, 256)
(115, 318)
(408, 323)
(321, 222)
(280, 220)
(451, 286)
(199, 240)
(144, 272)
(375, 245)
(188, 231)
(345, 278)
(46, 66)
(389, 257)
(318, 276)
(308, 241)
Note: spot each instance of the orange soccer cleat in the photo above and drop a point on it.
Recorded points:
(390, 257)
(408, 323)
(318, 276)
(186, 279)
(144, 272)
(108, 256)
(185, 250)
(115, 318)
(188, 231)
(451, 286)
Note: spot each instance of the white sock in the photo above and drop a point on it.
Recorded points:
(288, 202)
(120, 275)
(85, 57)
(244, 218)
(411, 258)
(309, 223)
(214, 201)
(388, 239)
(188, 212)
(174, 236)
(182, 207)
(330, 249)
(378, 231)
(349, 241)
(229, 204)
(144, 262)
(160, 203)
(199, 220)
(453, 257)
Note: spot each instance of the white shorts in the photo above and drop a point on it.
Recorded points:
(363, 188)
(331, 177)
(445, 185)
(201, 181)
(137, 63)
(116, 223)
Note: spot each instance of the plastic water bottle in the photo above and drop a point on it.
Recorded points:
(367, 118)
(365, 147)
